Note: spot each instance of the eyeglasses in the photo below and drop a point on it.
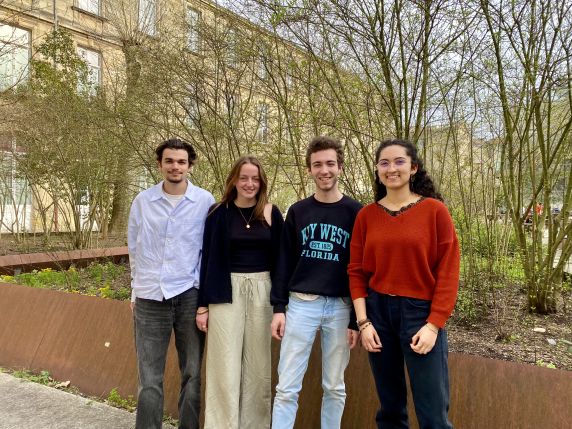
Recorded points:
(384, 163)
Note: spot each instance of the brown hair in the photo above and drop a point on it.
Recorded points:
(320, 143)
(230, 193)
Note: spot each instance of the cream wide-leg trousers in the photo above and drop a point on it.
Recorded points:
(238, 363)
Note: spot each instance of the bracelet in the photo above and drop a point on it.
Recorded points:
(435, 331)
(362, 322)
(364, 325)
(206, 310)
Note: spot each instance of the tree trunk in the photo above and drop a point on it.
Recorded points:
(122, 183)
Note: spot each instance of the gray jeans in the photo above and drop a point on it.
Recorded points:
(154, 321)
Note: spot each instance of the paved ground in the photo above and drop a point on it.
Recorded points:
(27, 405)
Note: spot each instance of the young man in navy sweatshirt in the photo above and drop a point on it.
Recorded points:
(311, 290)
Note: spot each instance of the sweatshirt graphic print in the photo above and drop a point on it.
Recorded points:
(319, 241)
(314, 250)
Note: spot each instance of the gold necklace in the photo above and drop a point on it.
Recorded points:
(247, 222)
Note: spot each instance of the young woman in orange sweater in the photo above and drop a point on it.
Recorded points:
(404, 277)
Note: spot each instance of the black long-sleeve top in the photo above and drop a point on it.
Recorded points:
(215, 285)
(315, 250)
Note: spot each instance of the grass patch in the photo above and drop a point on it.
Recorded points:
(116, 400)
(43, 377)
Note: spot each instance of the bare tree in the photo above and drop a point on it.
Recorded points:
(533, 84)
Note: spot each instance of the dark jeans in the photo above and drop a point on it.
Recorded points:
(154, 322)
(396, 320)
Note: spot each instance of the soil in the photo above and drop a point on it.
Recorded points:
(504, 330)
(34, 243)
(508, 331)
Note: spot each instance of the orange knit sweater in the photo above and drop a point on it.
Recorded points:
(414, 254)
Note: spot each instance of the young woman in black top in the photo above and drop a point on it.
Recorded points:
(240, 244)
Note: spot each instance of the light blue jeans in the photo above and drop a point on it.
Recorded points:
(303, 320)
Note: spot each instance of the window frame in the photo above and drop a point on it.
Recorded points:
(262, 129)
(93, 85)
(11, 45)
(81, 8)
(193, 41)
(144, 23)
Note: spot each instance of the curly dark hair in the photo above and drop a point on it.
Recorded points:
(421, 183)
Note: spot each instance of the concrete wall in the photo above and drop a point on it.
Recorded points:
(89, 341)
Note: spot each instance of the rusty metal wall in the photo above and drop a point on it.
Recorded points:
(86, 340)
(67, 334)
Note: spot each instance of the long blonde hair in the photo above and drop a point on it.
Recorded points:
(230, 193)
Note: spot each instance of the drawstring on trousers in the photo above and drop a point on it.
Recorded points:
(248, 291)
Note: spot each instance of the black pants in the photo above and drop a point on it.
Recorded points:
(397, 320)
(154, 322)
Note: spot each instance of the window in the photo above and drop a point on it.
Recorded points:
(232, 48)
(91, 6)
(290, 73)
(14, 55)
(193, 36)
(262, 131)
(13, 188)
(144, 178)
(192, 112)
(93, 61)
(15, 196)
(147, 16)
(262, 64)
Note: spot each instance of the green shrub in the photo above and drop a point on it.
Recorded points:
(105, 272)
(103, 280)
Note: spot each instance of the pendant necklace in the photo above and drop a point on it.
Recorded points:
(247, 222)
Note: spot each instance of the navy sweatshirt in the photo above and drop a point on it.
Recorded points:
(315, 250)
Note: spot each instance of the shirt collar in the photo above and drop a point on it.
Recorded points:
(157, 191)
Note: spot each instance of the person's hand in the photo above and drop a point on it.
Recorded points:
(353, 337)
(278, 325)
(424, 340)
(202, 319)
(132, 306)
(370, 340)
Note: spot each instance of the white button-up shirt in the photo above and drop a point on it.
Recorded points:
(165, 243)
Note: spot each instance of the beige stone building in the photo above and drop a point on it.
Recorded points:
(104, 32)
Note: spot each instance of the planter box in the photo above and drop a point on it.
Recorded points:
(21, 263)
(89, 341)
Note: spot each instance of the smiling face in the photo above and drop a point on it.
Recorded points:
(247, 184)
(324, 169)
(394, 168)
(175, 165)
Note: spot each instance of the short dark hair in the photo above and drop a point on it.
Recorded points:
(320, 143)
(176, 144)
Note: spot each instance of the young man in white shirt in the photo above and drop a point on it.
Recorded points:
(165, 237)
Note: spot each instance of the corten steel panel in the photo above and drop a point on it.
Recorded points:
(66, 335)
(58, 260)
(488, 393)
(485, 393)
